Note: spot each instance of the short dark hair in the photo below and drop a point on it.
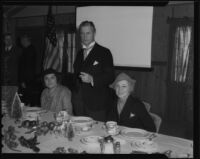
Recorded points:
(87, 23)
(52, 71)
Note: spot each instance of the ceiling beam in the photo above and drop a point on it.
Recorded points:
(9, 11)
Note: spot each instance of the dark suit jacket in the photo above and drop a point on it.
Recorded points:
(134, 114)
(94, 97)
(10, 66)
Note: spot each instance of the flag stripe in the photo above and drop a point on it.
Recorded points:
(53, 54)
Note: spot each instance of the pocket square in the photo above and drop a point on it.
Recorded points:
(95, 62)
(132, 115)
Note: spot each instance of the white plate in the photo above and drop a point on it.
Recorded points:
(145, 146)
(135, 133)
(81, 121)
(91, 139)
(33, 109)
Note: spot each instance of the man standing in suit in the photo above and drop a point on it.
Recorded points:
(94, 71)
(27, 69)
(10, 62)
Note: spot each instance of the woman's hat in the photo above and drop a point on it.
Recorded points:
(123, 76)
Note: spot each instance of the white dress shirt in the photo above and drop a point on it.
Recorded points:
(87, 49)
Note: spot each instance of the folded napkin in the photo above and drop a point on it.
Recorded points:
(145, 146)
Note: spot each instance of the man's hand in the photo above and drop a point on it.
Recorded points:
(87, 78)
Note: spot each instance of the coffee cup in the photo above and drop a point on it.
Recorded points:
(111, 124)
(111, 127)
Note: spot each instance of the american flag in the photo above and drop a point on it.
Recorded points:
(53, 53)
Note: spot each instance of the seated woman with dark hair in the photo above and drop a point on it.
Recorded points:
(126, 109)
(55, 97)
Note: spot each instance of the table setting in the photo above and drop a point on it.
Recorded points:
(41, 131)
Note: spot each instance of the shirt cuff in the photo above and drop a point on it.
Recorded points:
(92, 82)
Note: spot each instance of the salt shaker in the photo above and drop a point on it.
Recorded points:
(117, 148)
(108, 148)
(108, 145)
(65, 130)
(37, 121)
(70, 131)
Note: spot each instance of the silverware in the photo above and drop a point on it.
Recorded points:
(153, 135)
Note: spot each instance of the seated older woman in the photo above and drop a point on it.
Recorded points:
(128, 110)
(55, 97)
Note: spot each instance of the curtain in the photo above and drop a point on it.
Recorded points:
(71, 51)
(181, 51)
(180, 86)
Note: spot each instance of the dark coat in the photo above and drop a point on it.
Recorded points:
(99, 64)
(10, 66)
(134, 114)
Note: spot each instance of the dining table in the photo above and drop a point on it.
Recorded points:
(175, 147)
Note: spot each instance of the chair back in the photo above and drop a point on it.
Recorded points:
(157, 120)
(147, 106)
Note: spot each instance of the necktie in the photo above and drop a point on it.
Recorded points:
(85, 53)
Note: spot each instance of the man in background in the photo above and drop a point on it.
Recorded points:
(27, 69)
(10, 62)
(94, 71)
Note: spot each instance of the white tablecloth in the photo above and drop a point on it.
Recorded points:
(48, 143)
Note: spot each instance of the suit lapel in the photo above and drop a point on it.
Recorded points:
(89, 58)
(125, 111)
